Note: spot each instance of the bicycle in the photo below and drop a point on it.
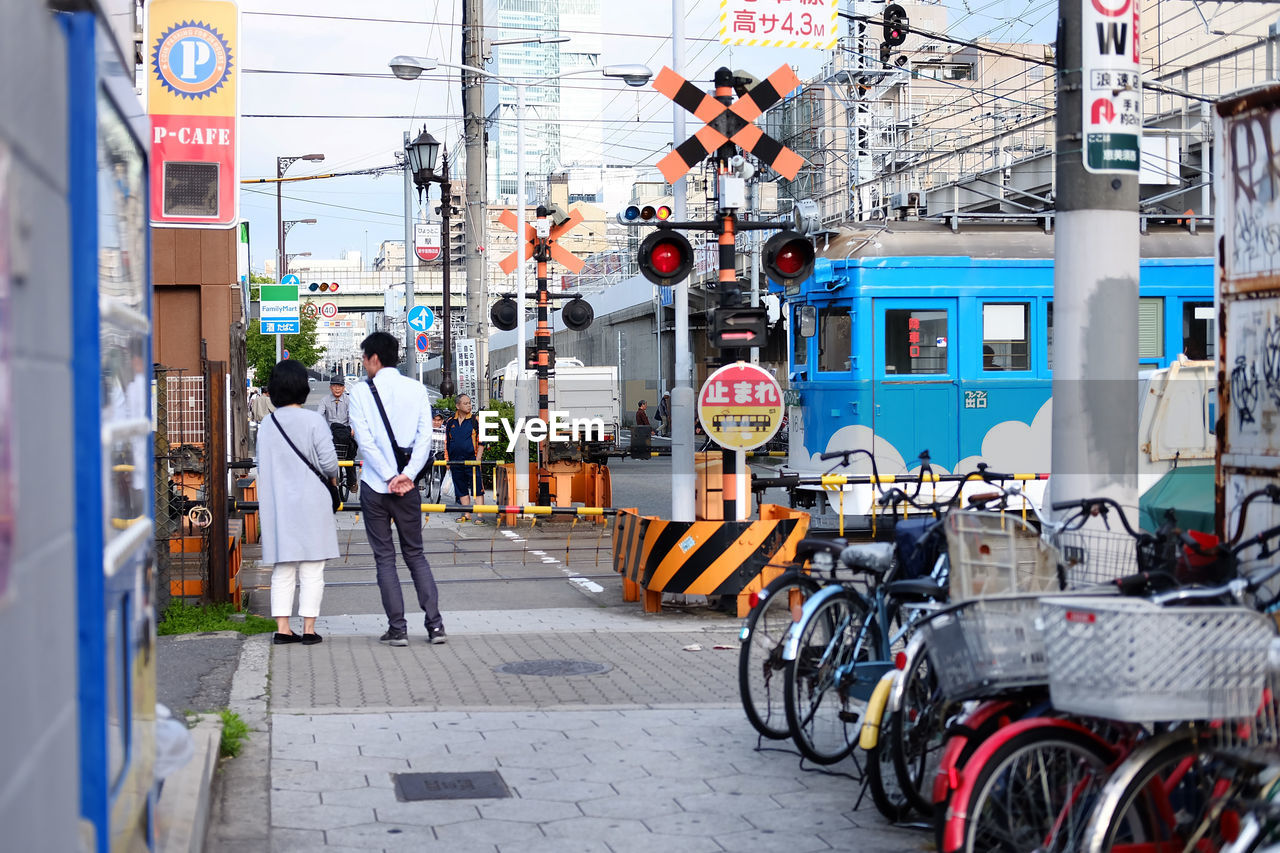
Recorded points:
(766, 625)
(1035, 781)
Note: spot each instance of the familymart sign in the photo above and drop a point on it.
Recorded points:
(278, 309)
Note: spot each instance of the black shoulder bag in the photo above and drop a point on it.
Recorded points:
(334, 495)
(403, 455)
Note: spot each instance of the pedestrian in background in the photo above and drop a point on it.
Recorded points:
(262, 405)
(462, 445)
(664, 415)
(642, 417)
(337, 413)
(391, 416)
(295, 511)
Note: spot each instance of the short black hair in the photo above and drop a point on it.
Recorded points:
(384, 346)
(640, 404)
(288, 385)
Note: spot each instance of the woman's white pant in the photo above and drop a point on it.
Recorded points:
(309, 575)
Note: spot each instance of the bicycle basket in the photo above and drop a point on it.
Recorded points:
(1091, 557)
(997, 553)
(986, 646)
(1131, 660)
(1258, 734)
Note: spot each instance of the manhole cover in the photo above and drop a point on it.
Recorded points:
(553, 667)
(481, 785)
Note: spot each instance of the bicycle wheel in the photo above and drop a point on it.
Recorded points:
(919, 733)
(1031, 788)
(961, 740)
(1166, 796)
(823, 718)
(760, 663)
(882, 777)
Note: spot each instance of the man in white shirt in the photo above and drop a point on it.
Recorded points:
(388, 476)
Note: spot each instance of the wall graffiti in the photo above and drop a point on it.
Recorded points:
(1253, 354)
(1244, 390)
(1253, 185)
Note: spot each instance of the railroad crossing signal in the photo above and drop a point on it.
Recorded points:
(560, 255)
(725, 124)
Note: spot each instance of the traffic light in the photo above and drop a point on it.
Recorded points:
(647, 214)
(577, 314)
(323, 286)
(665, 257)
(733, 328)
(896, 24)
(788, 257)
(504, 314)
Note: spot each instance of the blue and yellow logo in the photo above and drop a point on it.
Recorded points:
(191, 59)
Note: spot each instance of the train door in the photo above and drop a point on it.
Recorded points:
(915, 392)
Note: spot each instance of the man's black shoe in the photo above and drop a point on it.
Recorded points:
(394, 638)
(311, 639)
(285, 639)
(437, 637)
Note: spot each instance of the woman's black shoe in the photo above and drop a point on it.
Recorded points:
(285, 639)
(311, 639)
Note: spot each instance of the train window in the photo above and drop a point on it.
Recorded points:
(835, 340)
(799, 343)
(1048, 333)
(1006, 336)
(915, 341)
(1151, 327)
(1198, 330)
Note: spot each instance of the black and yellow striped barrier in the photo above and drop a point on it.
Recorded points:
(656, 556)
(481, 509)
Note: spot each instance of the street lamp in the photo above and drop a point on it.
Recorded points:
(282, 165)
(286, 226)
(420, 157)
(633, 74)
(290, 256)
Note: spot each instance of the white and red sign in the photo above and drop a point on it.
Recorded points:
(422, 242)
(1112, 86)
(328, 310)
(779, 23)
(192, 67)
(740, 406)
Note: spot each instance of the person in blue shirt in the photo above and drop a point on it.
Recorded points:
(461, 445)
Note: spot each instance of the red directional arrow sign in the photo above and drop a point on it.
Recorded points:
(560, 255)
(1103, 110)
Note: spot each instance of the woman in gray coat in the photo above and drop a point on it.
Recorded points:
(294, 510)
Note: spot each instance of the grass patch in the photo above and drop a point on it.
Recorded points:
(183, 618)
(234, 733)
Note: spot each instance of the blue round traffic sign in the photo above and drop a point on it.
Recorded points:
(290, 278)
(284, 356)
(421, 318)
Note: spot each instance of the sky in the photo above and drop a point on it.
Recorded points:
(327, 60)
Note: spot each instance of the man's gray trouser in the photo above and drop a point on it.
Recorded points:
(379, 510)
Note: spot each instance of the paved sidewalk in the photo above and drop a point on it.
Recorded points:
(647, 750)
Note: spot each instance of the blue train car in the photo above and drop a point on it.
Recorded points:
(912, 337)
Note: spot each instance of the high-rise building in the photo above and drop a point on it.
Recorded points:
(562, 125)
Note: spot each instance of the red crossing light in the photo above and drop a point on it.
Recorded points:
(665, 257)
(788, 257)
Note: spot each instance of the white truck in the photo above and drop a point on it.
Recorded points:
(579, 391)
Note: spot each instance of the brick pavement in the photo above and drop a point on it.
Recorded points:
(652, 754)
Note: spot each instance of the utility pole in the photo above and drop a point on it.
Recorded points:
(410, 256)
(476, 217)
(683, 474)
(1096, 254)
(447, 386)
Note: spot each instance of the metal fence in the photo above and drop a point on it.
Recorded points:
(182, 473)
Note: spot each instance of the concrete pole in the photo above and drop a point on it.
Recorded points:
(1095, 291)
(522, 398)
(410, 257)
(683, 475)
(476, 218)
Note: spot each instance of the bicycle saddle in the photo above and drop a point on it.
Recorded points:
(812, 545)
(916, 589)
(874, 557)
